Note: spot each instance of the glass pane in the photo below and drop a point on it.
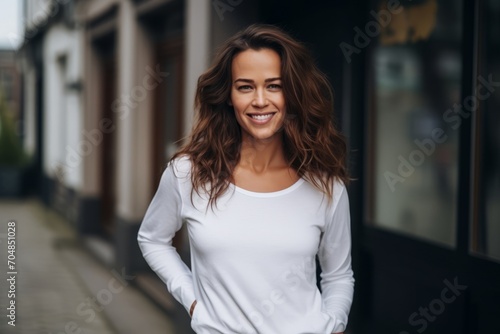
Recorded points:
(417, 80)
(486, 235)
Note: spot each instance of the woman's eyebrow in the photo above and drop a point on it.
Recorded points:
(251, 81)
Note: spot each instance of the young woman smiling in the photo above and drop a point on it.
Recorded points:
(261, 186)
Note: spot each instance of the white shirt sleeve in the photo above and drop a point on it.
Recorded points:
(337, 282)
(161, 221)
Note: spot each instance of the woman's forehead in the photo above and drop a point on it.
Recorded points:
(251, 63)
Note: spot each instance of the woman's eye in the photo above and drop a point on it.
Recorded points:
(246, 87)
(274, 86)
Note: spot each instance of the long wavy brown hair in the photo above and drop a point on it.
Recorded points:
(312, 145)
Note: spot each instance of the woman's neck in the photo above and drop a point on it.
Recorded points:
(261, 155)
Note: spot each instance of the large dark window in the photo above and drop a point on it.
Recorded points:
(414, 121)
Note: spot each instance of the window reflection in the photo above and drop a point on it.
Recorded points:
(417, 73)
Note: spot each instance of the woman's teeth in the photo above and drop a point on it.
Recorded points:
(262, 117)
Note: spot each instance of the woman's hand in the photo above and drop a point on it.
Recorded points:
(191, 310)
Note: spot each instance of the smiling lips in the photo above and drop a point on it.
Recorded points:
(261, 118)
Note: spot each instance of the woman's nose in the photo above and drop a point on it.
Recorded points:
(260, 99)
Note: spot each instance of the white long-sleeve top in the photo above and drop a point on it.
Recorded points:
(253, 266)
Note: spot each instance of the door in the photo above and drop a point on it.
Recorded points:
(105, 47)
(168, 119)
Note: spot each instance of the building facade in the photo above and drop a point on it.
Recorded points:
(109, 88)
(10, 81)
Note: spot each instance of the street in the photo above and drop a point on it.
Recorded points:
(58, 287)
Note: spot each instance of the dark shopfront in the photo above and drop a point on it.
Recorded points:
(419, 102)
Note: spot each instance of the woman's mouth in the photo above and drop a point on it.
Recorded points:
(261, 118)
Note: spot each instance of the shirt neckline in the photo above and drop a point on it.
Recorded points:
(268, 194)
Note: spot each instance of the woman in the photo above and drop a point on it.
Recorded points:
(260, 185)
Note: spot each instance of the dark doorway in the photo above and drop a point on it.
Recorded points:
(168, 122)
(105, 48)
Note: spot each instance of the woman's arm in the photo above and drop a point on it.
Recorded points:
(161, 221)
(337, 281)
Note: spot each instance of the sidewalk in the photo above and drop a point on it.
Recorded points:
(62, 289)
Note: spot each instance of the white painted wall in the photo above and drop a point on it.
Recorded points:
(62, 107)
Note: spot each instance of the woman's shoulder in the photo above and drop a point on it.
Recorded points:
(339, 192)
(181, 165)
(339, 187)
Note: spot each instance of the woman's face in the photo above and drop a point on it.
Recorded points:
(257, 94)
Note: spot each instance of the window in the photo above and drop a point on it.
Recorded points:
(414, 120)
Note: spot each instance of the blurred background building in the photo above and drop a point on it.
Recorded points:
(107, 94)
(10, 81)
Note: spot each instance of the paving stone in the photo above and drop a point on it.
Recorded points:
(56, 278)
